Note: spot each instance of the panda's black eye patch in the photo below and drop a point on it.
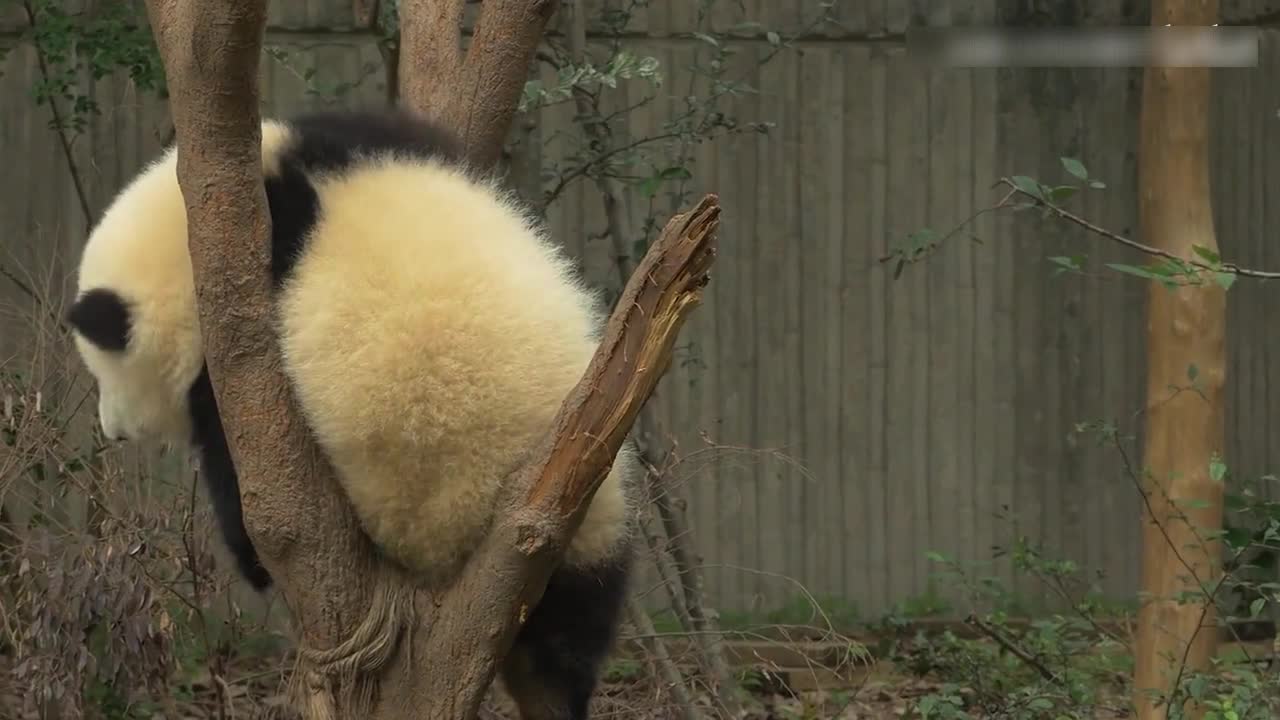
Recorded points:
(102, 317)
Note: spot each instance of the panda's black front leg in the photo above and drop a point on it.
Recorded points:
(221, 480)
(224, 492)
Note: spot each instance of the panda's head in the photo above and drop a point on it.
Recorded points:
(139, 389)
(133, 319)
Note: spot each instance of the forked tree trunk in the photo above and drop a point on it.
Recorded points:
(474, 90)
(1184, 430)
(371, 645)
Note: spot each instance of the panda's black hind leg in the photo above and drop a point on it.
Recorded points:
(553, 667)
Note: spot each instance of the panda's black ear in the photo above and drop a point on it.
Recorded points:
(102, 317)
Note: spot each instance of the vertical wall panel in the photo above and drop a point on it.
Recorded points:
(861, 420)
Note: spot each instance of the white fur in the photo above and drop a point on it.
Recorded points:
(429, 328)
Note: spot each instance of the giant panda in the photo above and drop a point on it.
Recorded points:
(430, 331)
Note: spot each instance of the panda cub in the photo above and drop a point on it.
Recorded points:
(431, 332)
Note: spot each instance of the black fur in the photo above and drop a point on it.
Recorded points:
(555, 662)
(327, 142)
(330, 142)
(221, 480)
(103, 317)
(295, 208)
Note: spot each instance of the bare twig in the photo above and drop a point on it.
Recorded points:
(596, 163)
(1026, 657)
(368, 14)
(60, 126)
(38, 299)
(671, 511)
(680, 576)
(213, 655)
(667, 669)
(1210, 594)
(22, 286)
(688, 580)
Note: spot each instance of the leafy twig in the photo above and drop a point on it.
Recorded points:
(1031, 194)
(1026, 657)
(1063, 213)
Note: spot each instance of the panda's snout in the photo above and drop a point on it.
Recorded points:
(111, 428)
(113, 434)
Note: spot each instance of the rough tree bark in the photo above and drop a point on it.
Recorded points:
(1185, 327)
(472, 90)
(370, 645)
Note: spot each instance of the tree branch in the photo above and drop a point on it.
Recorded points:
(294, 509)
(475, 92)
(545, 501)
(349, 608)
(1100, 231)
(1026, 657)
(1016, 191)
(686, 600)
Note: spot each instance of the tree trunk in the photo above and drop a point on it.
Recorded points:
(474, 92)
(1185, 429)
(370, 644)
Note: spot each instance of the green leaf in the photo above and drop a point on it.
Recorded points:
(1237, 538)
(1062, 192)
(649, 186)
(773, 38)
(1075, 167)
(1192, 372)
(1066, 264)
(707, 39)
(1256, 606)
(1205, 253)
(1097, 184)
(1028, 186)
(1225, 279)
(1197, 687)
(1217, 469)
(1136, 271)
(921, 241)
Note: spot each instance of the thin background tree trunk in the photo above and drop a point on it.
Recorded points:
(1185, 430)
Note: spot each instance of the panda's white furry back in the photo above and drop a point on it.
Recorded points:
(430, 331)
